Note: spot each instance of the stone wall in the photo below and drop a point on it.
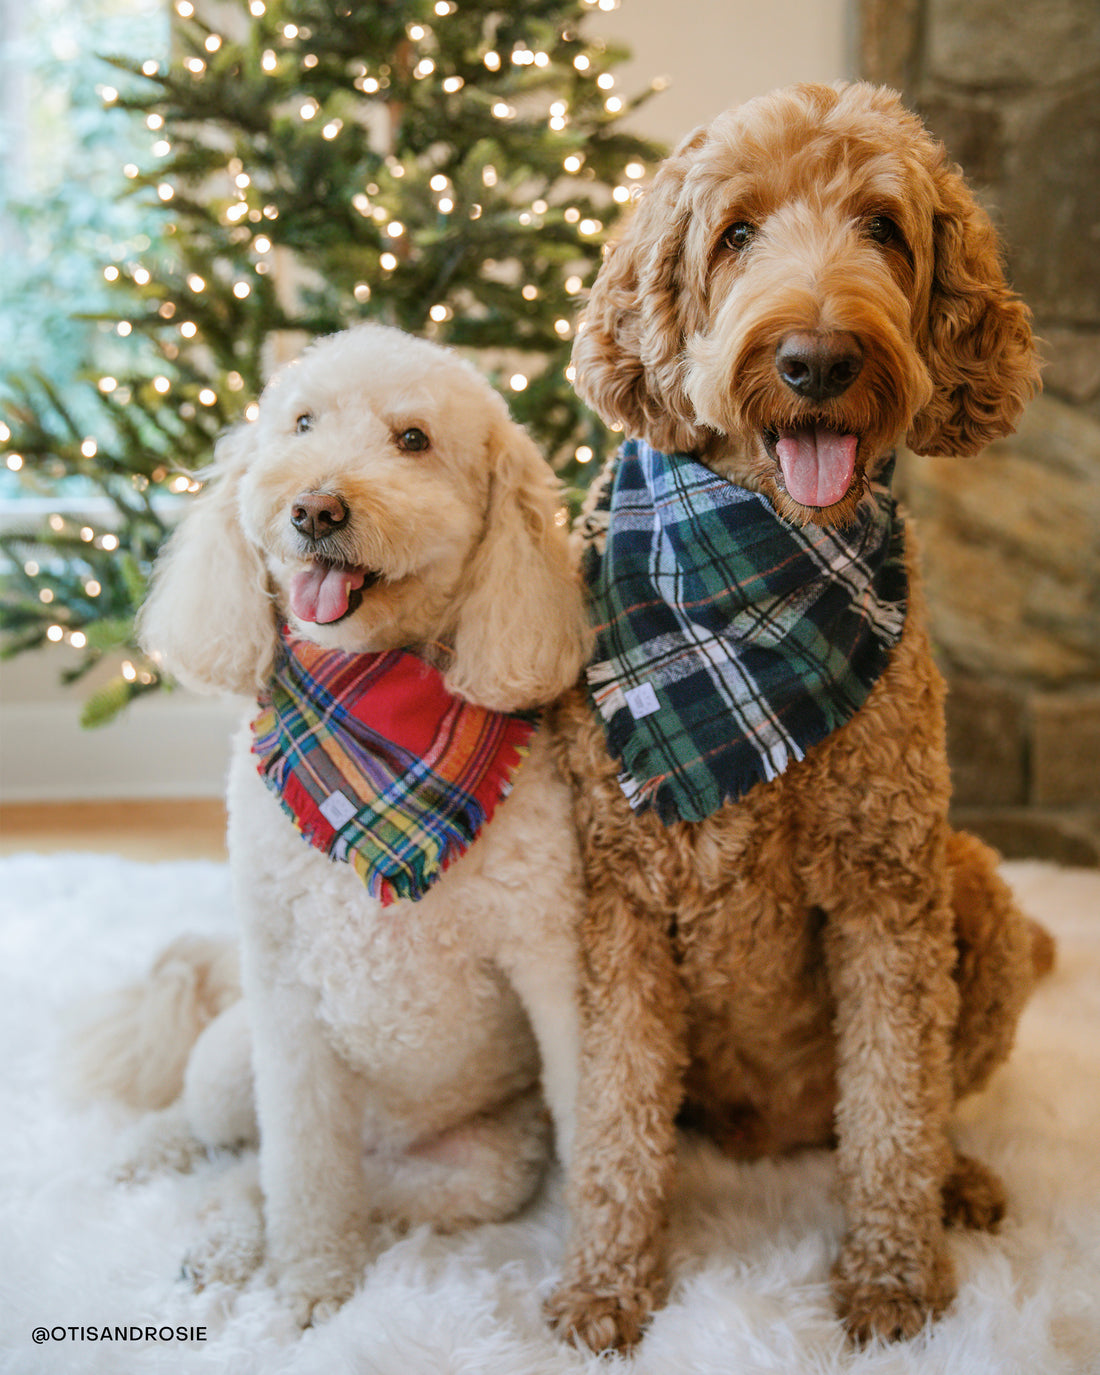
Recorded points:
(1011, 539)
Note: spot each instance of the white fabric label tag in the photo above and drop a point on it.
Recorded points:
(337, 810)
(642, 700)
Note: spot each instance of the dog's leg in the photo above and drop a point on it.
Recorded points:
(545, 978)
(633, 1010)
(310, 1105)
(1001, 955)
(482, 1170)
(890, 950)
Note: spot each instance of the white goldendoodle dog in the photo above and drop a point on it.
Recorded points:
(383, 513)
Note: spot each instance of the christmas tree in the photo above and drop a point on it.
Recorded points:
(448, 166)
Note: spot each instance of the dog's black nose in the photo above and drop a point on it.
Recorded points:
(317, 514)
(818, 366)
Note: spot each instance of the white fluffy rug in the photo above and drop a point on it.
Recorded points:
(751, 1244)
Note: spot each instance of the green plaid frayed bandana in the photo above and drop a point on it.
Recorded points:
(728, 641)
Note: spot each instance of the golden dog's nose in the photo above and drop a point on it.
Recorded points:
(317, 514)
(818, 366)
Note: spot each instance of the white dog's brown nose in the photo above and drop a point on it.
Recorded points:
(818, 366)
(317, 514)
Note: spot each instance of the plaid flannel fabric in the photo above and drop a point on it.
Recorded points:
(728, 641)
(377, 764)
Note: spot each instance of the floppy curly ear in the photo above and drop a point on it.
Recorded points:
(628, 350)
(978, 346)
(209, 617)
(522, 632)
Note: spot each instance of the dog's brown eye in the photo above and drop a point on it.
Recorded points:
(304, 423)
(413, 441)
(883, 230)
(739, 235)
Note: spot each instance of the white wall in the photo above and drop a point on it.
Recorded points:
(717, 53)
(714, 53)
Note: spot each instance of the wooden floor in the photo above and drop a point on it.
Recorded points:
(192, 828)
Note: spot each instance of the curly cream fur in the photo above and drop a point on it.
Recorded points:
(392, 1054)
(823, 960)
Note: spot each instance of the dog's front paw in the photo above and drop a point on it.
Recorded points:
(874, 1301)
(313, 1288)
(602, 1321)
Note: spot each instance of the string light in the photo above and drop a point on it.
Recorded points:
(584, 454)
(54, 632)
(517, 382)
(14, 462)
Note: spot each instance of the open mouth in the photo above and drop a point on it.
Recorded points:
(325, 593)
(818, 463)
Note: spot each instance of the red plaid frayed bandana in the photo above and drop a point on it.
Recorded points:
(377, 764)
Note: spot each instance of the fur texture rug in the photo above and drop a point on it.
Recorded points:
(751, 1244)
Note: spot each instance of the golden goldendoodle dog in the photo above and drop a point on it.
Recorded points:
(379, 557)
(784, 944)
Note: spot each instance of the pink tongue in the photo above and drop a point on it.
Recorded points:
(817, 464)
(321, 593)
